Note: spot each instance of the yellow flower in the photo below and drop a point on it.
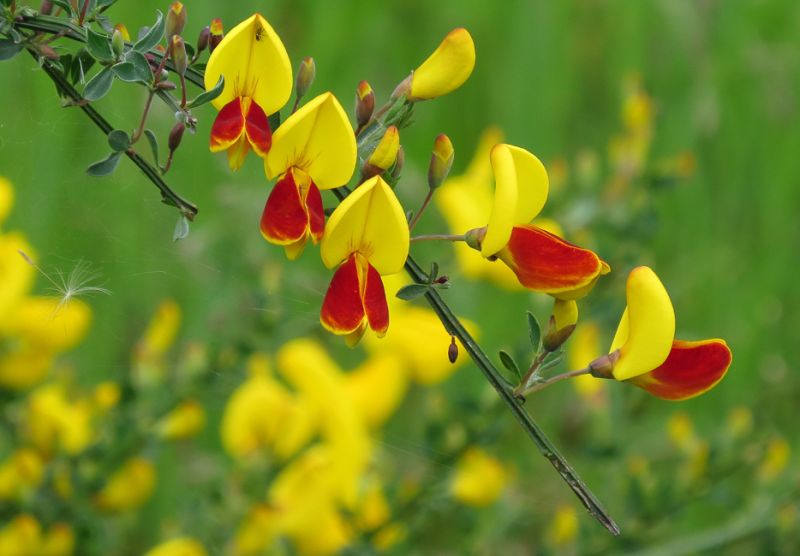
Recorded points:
(257, 531)
(6, 198)
(22, 536)
(446, 69)
(479, 479)
(185, 421)
(106, 396)
(21, 474)
(180, 546)
(129, 487)
(16, 275)
(158, 338)
(377, 387)
(775, 460)
(55, 422)
(58, 541)
(582, 348)
(563, 528)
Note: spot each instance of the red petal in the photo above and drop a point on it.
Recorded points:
(546, 263)
(691, 368)
(342, 310)
(284, 219)
(258, 131)
(375, 302)
(316, 213)
(228, 126)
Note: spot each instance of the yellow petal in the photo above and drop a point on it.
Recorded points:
(180, 546)
(385, 153)
(370, 221)
(319, 140)
(255, 64)
(565, 313)
(647, 328)
(6, 198)
(446, 69)
(51, 325)
(521, 187)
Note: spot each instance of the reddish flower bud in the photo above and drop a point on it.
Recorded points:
(305, 76)
(202, 39)
(365, 103)
(46, 7)
(452, 350)
(217, 34)
(175, 136)
(176, 19)
(441, 161)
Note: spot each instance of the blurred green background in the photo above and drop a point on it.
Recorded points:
(724, 77)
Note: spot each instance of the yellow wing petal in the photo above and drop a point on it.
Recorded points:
(521, 187)
(370, 221)
(255, 64)
(644, 336)
(319, 140)
(447, 68)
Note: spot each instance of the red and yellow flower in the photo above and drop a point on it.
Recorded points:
(366, 237)
(314, 149)
(258, 82)
(541, 260)
(645, 352)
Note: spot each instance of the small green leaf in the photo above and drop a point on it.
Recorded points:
(434, 273)
(181, 228)
(135, 68)
(9, 49)
(65, 4)
(153, 35)
(99, 46)
(509, 363)
(535, 331)
(153, 140)
(118, 140)
(104, 167)
(99, 85)
(412, 291)
(208, 96)
(80, 66)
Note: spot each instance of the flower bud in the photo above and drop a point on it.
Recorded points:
(166, 85)
(126, 36)
(176, 19)
(202, 39)
(178, 53)
(305, 76)
(452, 351)
(46, 8)
(384, 154)
(365, 103)
(117, 42)
(441, 161)
(217, 33)
(175, 136)
(562, 324)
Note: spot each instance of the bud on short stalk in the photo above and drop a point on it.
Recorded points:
(46, 8)
(217, 34)
(384, 155)
(176, 20)
(452, 350)
(117, 43)
(365, 103)
(178, 53)
(175, 136)
(441, 161)
(202, 40)
(305, 77)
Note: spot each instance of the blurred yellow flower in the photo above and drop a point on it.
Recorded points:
(377, 387)
(181, 546)
(185, 421)
(582, 348)
(21, 474)
(775, 459)
(106, 396)
(16, 275)
(256, 532)
(22, 536)
(56, 422)
(58, 541)
(6, 198)
(128, 487)
(49, 325)
(739, 422)
(563, 528)
(148, 357)
(681, 432)
(479, 478)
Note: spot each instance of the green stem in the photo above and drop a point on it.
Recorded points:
(526, 387)
(187, 208)
(438, 237)
(425, 204)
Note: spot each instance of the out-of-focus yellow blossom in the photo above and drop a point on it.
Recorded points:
(257, 532)
(563, 528)
(21, 474)
(479, 479)
(558, 171)
(55, 422)
(181, 546)
(263, 415)
(48, 324)
(16, 275)
(22, 536)
(6, 198)
(739, 422)
(129, 487)
(58, 541)
(377, 387)
(62, 481)
(775, 459)
(106, 396)
(788, 517)
(582, 348)
(149, 365)
(417, 338)
(183, 422)
(682, 434)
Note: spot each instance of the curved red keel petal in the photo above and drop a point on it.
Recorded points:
(228, 126)
(257, 128)
(284, 219)
(375, 306)
(342, 309)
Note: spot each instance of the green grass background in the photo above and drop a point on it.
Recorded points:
(725, 78)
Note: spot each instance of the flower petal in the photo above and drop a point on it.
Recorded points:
(447, 68)
(284, 220)
(647, 328)
(316, 213)
(255, 64)
(370, 221)
(546, 263)
(228, 126)
(257, 128)
(319, 140)
(375, 305)
(691, 368)
(342, 309)
(385, 153)
(521, 187)
(238, 152)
